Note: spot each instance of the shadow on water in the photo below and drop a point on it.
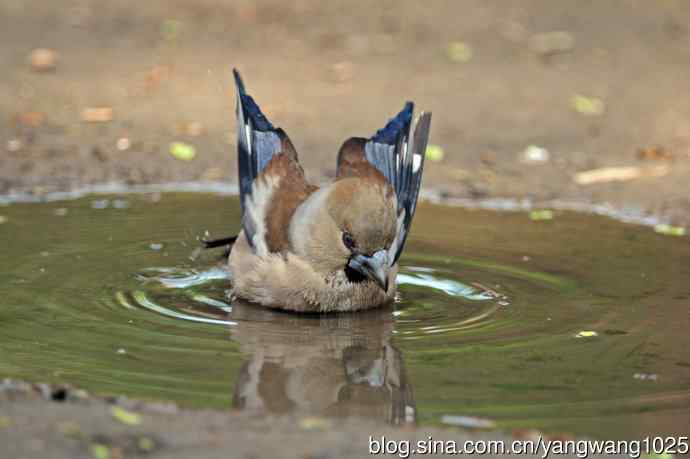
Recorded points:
(577, 324)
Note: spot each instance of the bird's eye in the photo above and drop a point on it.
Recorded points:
(349, 241)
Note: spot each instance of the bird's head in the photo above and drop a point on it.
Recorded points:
(350, 226)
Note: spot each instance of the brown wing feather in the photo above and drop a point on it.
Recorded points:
(353, 163)
(291, 191)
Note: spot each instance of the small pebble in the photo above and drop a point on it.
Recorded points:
(43, 60)
(534, 154)
(550, 43)
(123, 144)
(342, 72)
(14, 145)
(213, 174)
(100, 204)
(156, 246)
(120, 203)
(468, 422)
(121, 351)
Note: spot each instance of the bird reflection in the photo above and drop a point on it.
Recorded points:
(328, 365)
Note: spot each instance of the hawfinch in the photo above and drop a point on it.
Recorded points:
(335, 247)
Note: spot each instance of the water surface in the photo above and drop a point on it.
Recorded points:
(110, 292)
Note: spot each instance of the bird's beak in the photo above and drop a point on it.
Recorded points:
(374, 267)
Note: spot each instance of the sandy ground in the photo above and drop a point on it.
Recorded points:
(325, 71)
(34, 423)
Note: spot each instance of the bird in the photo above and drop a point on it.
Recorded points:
(328, 248)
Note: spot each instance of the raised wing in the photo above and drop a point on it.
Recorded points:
(260, 145)
(397, 151)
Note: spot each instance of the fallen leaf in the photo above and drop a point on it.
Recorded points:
(31, 119)
(192, 129)
(669, 230)
(182, 151)
(43, 59)
(97, 114)
(586, 334)
(654, 153)
(156, 76)
(434, 153)
(69, 429)
(213, 174)
(170, 30)
(587, 105)
(469, 422)
(538, 215)
(100, 451)
(314, 423)
(126, 417)
(458, 51)
(145, 444)
(646, 376)
(617, 174)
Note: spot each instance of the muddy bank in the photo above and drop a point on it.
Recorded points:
(42, 421)
(524, 98)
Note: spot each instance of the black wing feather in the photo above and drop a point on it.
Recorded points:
(257, 142)
(399, 156)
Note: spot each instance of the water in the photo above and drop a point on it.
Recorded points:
(111, 294)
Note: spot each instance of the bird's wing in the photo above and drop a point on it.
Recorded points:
(397, 152)
(271, 181)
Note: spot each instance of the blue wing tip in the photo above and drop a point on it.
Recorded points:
(389, 134)
(250, 108)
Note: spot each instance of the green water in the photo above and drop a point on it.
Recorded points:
(110, 293)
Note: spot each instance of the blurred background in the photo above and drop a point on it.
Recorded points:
(574, 100)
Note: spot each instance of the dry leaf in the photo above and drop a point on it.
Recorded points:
(97, 114)
(126, 417)
(43, 60)
(617, 174)
(654, 153)
(586, 334)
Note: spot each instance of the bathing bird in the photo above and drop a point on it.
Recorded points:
(333, 247)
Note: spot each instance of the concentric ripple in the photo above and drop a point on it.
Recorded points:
(578, 324)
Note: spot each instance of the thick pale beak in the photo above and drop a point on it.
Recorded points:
(374, 267)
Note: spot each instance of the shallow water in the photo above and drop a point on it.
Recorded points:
(110, 293)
